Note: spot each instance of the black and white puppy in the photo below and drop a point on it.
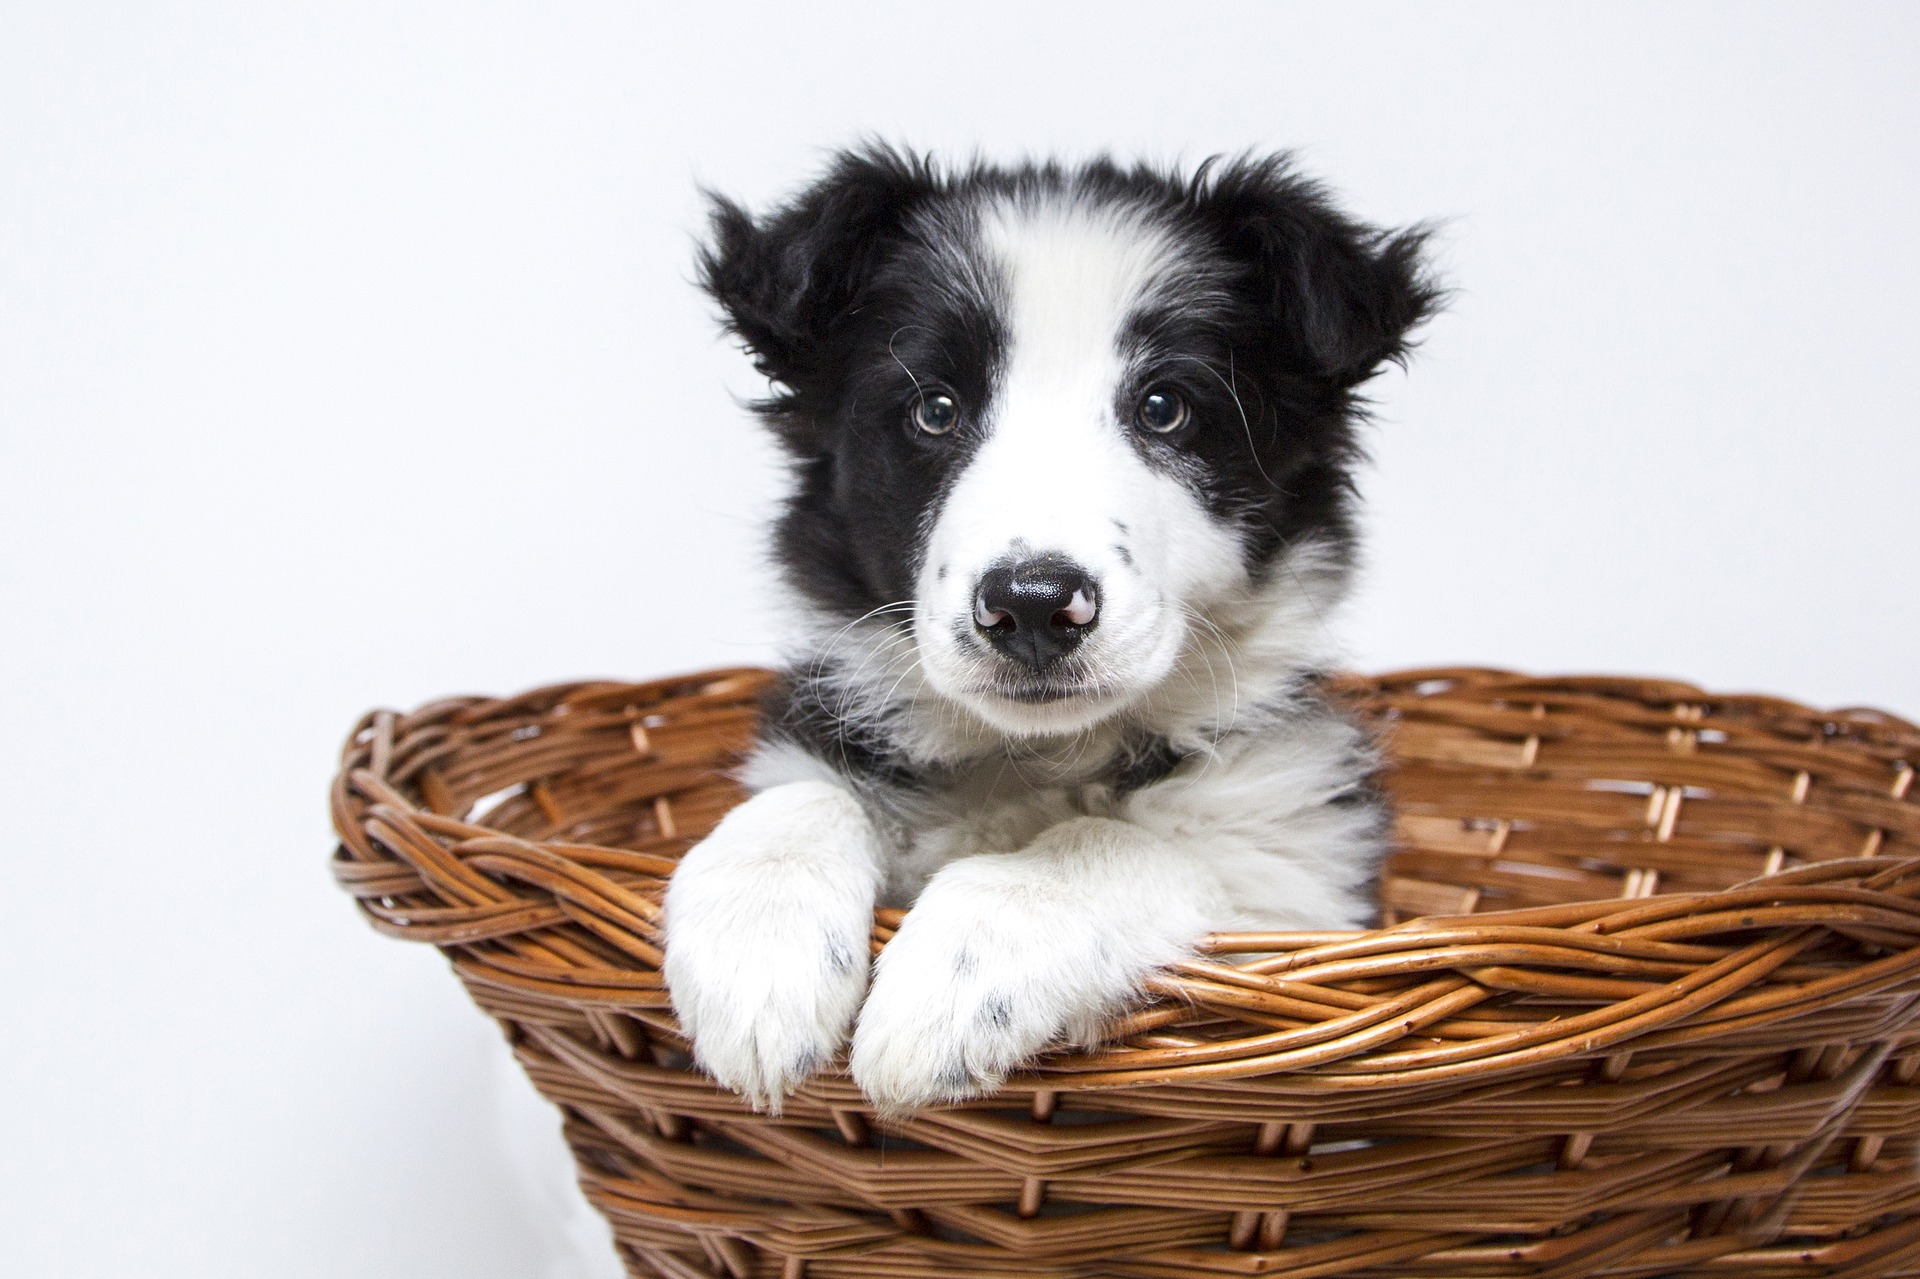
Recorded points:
(1073, 451)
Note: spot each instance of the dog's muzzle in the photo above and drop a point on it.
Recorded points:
(1036, 611)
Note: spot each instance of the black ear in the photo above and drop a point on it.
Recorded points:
(1346, 294)
(785, 281)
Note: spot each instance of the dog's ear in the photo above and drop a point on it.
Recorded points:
(787, 280)
(1347, 295)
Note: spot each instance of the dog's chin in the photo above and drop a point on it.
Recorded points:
(1040, 711)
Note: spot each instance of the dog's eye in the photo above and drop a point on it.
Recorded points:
(935, 414)
(1161, 412)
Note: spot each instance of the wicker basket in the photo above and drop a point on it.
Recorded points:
(1593, 1041)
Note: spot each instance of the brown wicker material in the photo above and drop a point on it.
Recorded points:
(1600, 1044)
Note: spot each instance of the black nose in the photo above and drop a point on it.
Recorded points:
(1036, 611)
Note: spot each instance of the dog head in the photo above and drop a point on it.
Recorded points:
(1052, 421)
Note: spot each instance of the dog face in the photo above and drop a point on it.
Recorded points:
(1060, 418)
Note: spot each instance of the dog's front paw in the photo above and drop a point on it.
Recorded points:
(988, 970)
(767, 927)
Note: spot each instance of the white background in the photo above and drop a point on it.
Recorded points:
(348, 357)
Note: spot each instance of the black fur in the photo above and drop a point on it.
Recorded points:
(1146, 764)
(801, 710)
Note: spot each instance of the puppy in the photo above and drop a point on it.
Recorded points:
(1072, 455)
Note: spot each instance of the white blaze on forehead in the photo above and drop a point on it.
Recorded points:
(1073, 275)
(1056, 467)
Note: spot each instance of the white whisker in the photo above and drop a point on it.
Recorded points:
(1246, 424)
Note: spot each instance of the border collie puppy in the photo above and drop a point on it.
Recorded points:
(1072, 450)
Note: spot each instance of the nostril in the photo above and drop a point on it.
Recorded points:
(986, 617)
(1078, 612)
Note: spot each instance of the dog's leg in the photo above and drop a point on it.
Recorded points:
(767, 927)
(1005, 953)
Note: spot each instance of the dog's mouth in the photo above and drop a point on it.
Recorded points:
(1036, 696)
(1038, 690)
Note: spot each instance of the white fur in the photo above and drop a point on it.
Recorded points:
(1253, 815)
(1006, 953)
(767, 927)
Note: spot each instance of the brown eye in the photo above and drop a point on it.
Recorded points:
(1161, 412)
(935, 414)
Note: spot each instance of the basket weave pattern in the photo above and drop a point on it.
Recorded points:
(1592, 1039)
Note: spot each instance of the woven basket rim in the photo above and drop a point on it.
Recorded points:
(1581, 949)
